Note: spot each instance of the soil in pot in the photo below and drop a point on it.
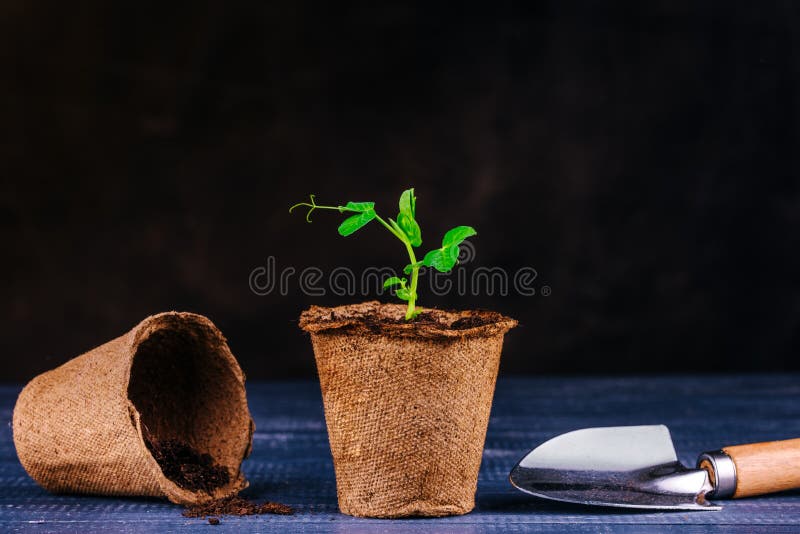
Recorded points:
(188, 468)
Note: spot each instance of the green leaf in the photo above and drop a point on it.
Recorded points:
(457, 235)
(410, 228)
(394, 281)
(359, 206)
(404, 294)
(445, 258)
(351, 224)
(408, 268)
(406, 218)
(442, 259)
(408, 203)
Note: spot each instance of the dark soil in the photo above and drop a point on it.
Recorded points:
(424, 317)
(470, 321)
(427, 318)
(235, 505)
(372, 317)
(374, 323)
(187, 467)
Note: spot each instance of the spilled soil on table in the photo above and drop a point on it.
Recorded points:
(236, 505)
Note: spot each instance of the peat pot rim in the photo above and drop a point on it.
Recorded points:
(184, 383)
(376, 318)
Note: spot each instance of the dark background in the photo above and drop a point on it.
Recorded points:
(641, 156)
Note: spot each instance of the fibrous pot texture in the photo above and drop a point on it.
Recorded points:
(90, 425)
(406, 404)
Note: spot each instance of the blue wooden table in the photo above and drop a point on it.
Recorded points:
(291, 462)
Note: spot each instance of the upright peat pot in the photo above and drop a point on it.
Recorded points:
(407, 392)
(406, 404)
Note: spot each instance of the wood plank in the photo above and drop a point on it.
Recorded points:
(291, 461)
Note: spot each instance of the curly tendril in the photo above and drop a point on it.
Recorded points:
(313, 206)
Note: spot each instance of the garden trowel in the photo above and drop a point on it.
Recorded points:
(636, 467)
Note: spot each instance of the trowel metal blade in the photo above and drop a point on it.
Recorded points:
(626, 466)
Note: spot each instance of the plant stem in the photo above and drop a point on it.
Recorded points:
(414, 277)
(414, 270)
(394, 232)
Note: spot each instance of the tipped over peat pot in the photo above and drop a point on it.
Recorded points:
(160, 411)
(406, 404)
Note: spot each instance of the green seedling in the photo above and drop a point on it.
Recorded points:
(406, 229)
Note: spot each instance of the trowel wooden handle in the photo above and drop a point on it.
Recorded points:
(754, 469)
(765, 467)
